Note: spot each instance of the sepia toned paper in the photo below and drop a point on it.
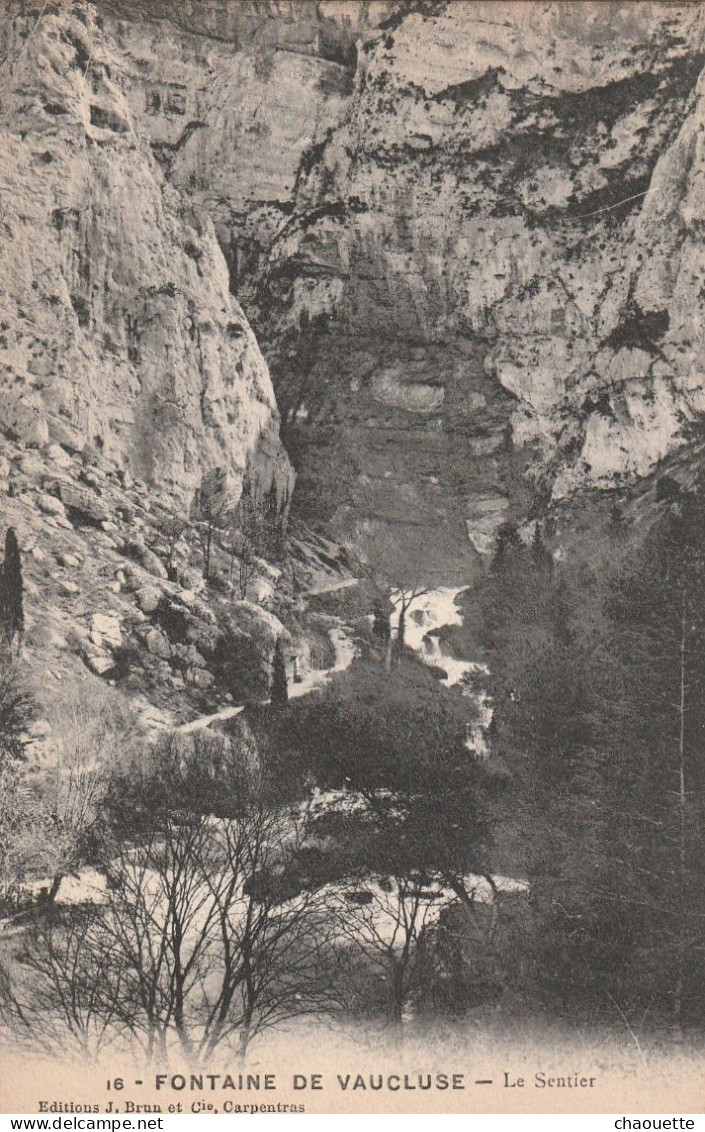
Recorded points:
(348, 347)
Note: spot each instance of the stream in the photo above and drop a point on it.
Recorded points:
(424, 621)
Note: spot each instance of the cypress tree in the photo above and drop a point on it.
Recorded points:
(279, 692)
(540, 556)
(5, 629)
(381, 626)
(11, 589)
(507, 547)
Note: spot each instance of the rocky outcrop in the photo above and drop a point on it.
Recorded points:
(104, 561)
(324, 29)
(233, 96)
(467, 235)
(501, 249)
(119, 333)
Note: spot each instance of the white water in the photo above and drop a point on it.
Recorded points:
(424, 620)
(382, 920)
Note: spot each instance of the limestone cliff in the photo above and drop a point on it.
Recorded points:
(498, 255)
(119, 332)
(467, 236)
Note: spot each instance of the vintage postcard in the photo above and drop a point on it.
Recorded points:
(352, 598)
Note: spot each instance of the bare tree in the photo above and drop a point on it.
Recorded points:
(211, 511)
(408, 592)
(273, 934)
(172, 526)
(396, 583)
(242, 551)
(384, 918)
(204, 940)
(58, 992)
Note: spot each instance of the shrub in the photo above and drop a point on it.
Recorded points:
(15, 712)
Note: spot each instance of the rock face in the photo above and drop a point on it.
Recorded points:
(501, 249)
(119, 333)
(467, 236)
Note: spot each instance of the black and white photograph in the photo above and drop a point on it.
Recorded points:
(352, 556)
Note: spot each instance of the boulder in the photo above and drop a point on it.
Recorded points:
(132, 576)
(190, 578)
(61, 432)
(190, 655)
(105, 627)
(262, 626)
(151, 562)
(157, 643)
(102, 539)
(199, 678)
(30, 465)
(148, 598)
(84, 503)
(59, 455)
(50, 505)
(101, 663)
(69, 560)
(146, 557)
(261, 590)
(94, 478)
(202, 610)
(25, 418)
(162, 671)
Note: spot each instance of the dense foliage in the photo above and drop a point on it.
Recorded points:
(598, 678)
